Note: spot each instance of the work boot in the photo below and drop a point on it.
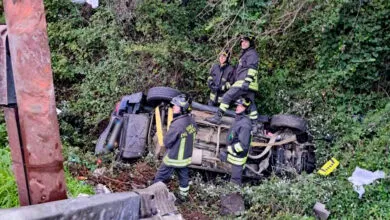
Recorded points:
(216, 119)
(180, 199)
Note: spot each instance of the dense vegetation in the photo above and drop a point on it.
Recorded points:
(327, 61)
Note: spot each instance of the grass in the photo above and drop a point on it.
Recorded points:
(8, 190)
(8, 187)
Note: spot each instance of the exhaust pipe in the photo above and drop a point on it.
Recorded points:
(114, 134)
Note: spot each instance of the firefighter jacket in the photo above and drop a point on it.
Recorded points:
(246, 70)
(238, 140)
(220, 77)
(179, 141)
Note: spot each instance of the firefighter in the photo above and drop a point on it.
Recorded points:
(220, 79)
(178, 141)
(246, 82)
(238, 140)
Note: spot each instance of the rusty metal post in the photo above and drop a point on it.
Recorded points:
(8, 100)
(11, 118)
(38, 124)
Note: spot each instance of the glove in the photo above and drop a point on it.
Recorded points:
(245, 86)
(214, 88)
(238, 148)
(225, 87)
(230, 150)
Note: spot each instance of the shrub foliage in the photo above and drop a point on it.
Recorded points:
(327, 61)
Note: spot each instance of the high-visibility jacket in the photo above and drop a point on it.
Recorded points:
(222, 77)
(238, 140)
(179, 141)
(246, 69)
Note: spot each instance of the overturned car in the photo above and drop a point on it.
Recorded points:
(281, 145)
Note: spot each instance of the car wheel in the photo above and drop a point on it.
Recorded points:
(289, 121)
(156, 95)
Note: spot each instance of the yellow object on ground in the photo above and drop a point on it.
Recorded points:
(329, 167)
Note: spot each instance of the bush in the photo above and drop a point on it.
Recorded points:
(8, 189)
(327, 61)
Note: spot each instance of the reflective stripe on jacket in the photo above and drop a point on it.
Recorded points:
(212, 97)
(238, 140)
(247, 69)
(221, 76)
(179, 141)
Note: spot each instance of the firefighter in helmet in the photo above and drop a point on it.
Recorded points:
(238, 140)
(220, 78)
(178, 141)
(246, 81)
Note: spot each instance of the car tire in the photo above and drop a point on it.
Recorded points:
(289, 121)
(156, 95)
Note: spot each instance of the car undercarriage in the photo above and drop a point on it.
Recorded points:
(282, 143)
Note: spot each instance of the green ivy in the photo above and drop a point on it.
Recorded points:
(327, 61)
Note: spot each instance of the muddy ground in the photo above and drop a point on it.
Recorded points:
(137, 176)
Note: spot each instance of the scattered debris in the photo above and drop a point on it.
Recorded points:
(101, 189)
(93, 3)
(82, 178)
(320, 211)
(361, 177)
(195, 215)
(232, 204)
(329, 167)
(99, 172)
(82, 195)
(158, 203)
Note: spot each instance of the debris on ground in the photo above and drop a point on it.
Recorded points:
(194, 215)
(82, 195)
(134, 178)
(329, 167)
(158, 203)
(142, 175)
(361, 177)
(320, 211)
(138, 176)
(101, 189)
(93, 3)
(232, 204)
(99, 172)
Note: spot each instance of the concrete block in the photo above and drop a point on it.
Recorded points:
(112, 206)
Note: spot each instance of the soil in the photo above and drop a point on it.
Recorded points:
(138, 176)
(194, 215)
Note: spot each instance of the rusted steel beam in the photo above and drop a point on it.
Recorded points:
(7, 99)
(7, 90)
(39, 130)
(3, 66)
(11, 118)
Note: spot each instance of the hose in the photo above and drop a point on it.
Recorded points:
(266, 150)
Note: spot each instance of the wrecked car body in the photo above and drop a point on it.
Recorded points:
(282, 143)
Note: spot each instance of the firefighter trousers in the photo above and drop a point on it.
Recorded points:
(236, 175)
(236, 170)
(165, 172)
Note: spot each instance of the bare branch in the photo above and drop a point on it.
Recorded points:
(295, 16)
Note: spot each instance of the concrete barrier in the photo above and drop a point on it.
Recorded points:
(105, 206)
